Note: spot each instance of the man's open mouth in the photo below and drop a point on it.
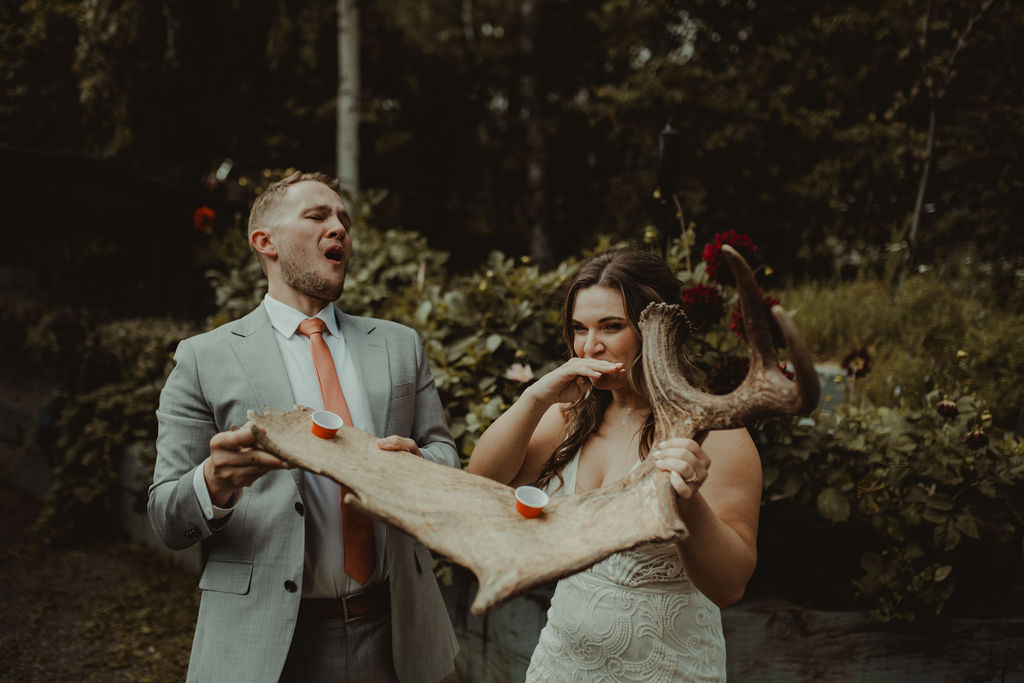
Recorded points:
(335, 254)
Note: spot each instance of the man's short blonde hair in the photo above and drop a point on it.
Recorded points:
(269, 198)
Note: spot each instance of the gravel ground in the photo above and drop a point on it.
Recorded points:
(92, 613)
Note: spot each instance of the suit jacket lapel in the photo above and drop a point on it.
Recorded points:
(370, 355)
(260, 357)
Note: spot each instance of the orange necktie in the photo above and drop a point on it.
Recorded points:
(357, 528)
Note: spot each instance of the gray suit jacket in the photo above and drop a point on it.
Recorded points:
(253, 559)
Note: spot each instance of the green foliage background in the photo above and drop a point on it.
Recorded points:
(805, 124)
(881, 477)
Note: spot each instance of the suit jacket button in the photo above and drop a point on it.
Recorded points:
(192, 532)
(290, 586)
(298, 508)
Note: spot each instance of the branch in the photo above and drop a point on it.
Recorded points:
(962, 41)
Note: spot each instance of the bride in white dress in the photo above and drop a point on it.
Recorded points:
(650, 613)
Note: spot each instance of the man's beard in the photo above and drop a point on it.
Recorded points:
(311, 284)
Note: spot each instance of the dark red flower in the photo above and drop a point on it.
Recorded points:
(704, 306)
(737, 321)
(716, 267)
(947, 409)
(857, 363)
(728, 374)
(202, 219)
(976, 440)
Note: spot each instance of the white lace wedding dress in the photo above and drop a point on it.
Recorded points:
(632, 617)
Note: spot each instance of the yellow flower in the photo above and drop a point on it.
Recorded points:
(961, 354)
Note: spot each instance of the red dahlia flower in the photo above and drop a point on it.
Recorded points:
(728, 374)
(704, 306)
(202, 219)
(716, 267)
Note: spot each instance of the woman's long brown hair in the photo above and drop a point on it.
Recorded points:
(642, 277)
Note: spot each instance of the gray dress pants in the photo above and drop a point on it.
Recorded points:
(331, 651)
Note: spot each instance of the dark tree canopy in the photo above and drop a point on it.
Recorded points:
(804, 124)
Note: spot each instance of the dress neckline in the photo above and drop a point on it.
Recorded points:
(569, 473)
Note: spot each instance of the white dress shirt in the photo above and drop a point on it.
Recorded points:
(324, 572)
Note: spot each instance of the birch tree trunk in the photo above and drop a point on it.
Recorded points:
(347, 151)
(540, 248)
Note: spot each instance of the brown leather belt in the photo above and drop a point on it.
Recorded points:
(370, 602)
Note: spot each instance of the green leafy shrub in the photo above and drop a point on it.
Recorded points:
(505, 314)
(130, 360)
(926, 504)
(913, 334)
(108, 376)
(234, 275)
(42, 335)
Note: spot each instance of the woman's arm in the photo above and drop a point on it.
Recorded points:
(516, 445)
(721, 511)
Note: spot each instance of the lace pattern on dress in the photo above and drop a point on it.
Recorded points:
(646, 564)
(634, 616)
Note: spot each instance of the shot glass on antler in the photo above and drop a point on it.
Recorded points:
(326, 424)
(530, 501)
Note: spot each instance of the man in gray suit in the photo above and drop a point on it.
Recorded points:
(277, 603)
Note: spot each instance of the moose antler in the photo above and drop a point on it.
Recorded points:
(682, 410)
(472, 520)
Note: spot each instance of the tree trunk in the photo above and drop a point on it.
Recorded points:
(922, 186)
(540, 248)
(347, 152)
(940, 80)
